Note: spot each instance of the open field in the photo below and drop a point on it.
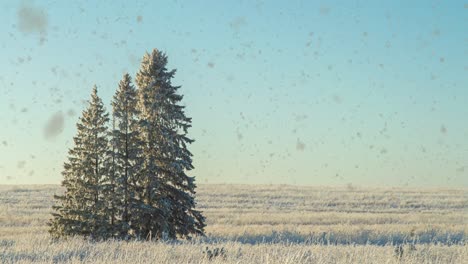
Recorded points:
(264, 224)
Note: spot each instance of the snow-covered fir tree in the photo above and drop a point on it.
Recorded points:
(126, 155)
(131, 181)
(110, 186)
(81, 210)
(168, 205)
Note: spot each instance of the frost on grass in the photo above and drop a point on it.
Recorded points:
(263, 224)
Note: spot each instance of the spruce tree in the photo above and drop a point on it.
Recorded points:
(168, 208)
(126, 154)
(110, 186)
(81, 210)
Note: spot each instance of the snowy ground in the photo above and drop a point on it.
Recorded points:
(263, 224)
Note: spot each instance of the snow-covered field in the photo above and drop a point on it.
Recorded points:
(264, 224)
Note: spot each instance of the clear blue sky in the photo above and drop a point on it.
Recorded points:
(296, 92)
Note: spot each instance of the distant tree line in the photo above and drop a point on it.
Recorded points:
(125, 176)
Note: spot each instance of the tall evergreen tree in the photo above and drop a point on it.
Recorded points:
(110, 185)
(126, 154)
(168, 192)
(81, 209)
